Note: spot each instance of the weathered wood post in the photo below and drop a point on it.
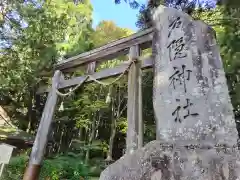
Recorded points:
(38, 149)
(140, 108)
(134, 118)
(196, 130)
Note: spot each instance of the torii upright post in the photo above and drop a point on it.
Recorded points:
(39, 146)
(134, 110)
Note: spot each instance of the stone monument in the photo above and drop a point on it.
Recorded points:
(191, 100)
(196, 131)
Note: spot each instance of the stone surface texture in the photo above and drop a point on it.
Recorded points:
(196, 130)
(191, 100)
(162, 161)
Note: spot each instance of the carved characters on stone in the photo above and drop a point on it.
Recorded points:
(181, 73)
(179, 77)
(185, 108)
(176, 49)
(190, 90)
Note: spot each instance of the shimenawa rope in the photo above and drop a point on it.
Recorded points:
(97, 81)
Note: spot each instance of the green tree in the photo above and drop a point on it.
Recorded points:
(90, 107)
(33, 36)
(107, 31)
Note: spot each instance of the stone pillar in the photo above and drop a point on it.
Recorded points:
(196, 130)
(191, 100)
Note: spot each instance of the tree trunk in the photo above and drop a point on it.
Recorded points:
(80, 133)
(113, 133)
(92, 135)
(30, 111)
(115, 116)
(61, 139)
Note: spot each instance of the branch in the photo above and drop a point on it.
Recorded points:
(6, 121)
(122, 111)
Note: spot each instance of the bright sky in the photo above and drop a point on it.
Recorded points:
(122, 14)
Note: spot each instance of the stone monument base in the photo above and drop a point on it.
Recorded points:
(165, 161)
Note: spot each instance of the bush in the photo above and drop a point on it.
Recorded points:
(69, 167)
(15, 169)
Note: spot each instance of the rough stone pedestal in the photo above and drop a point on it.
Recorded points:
(159, 161)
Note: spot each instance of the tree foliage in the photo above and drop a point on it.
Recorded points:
(36, 34)
(33, 36)
(98, 111)
(69, 166)
(107, 31)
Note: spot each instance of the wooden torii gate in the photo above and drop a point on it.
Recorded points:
(131, 45)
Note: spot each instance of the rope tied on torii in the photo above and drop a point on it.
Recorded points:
(89, 76)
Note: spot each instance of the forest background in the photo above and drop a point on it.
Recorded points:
(89, 130)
